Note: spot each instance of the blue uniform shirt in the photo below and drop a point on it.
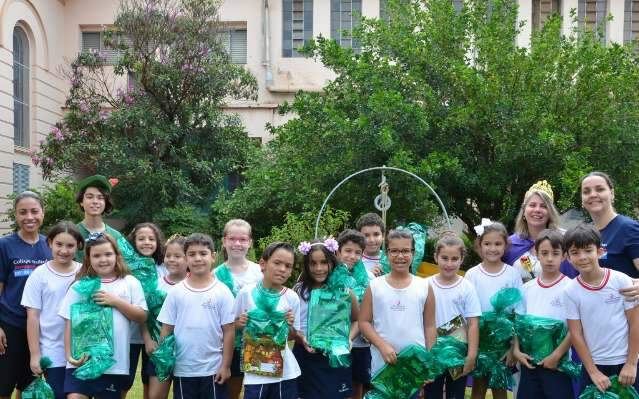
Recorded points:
(17, 260)
(620, 240)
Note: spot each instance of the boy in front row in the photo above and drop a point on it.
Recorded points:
(603, 326)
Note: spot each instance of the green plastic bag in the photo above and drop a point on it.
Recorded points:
(505, 300)
(39, 388)
(540, 336)
(404, 378)
(384, 263)
(448, 354)
(91, 331)
(359, 280)
(419, 238)
(163, 358)
(265, 335)
(142, 267)
(223, 274)
(329, 318)
(154, 301)
(615, 391)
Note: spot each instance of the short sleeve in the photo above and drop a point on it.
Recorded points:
(137, 294)
(227, 315)
(32, 294)
(5, 268)
(516, 276)
(472, 307)
(631, 245)
(168, 312)
(69, 299)
(571, 310)
(294, 301)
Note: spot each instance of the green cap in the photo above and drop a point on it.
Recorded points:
(97, 181)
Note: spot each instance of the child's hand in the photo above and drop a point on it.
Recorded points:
(523, 358)
(78, 362)
(290, 317)
(34, 363)
(600, 380)
(3, 342)
(628, 374)
(509, 358)
(241, 321)
(223, 374)
(550, 362)
(388, 353)
(377, 270)
(150, 346)
(469, 365)
(104, 298)
(308, 348)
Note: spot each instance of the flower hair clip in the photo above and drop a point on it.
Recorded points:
(485, 222)
(329, 243)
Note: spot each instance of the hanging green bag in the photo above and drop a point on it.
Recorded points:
(39, 388)
(163, 358)
(406, 376)
(615, 391)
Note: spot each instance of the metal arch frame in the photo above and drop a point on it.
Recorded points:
(441, 204)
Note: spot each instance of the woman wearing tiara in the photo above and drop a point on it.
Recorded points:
(537, 212)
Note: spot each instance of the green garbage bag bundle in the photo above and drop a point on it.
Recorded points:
(405, 377)
(329, 318)
(448, 354)
(163, 357)
(223, 274)
(615, 391)
(419, 232)
(540, 336)
(39, 388)
(154, 302)
(91, 331)
(359, 280)
(496, 330)
(265, 335)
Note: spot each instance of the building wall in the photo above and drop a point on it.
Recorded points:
(54, 30)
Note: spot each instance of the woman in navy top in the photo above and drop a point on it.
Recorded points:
(20, 253)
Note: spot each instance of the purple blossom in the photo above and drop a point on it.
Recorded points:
(128, 99)
(57, 134)
(36, 160)
(104, 115)
(49, 161)
(84, 107)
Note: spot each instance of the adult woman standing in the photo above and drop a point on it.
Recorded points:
(537, 212)
(619, 233)
(20, 253)
(94, 198)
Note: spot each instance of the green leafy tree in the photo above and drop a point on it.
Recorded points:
(449, 96)
(164, 134)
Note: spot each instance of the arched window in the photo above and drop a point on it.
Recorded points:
(20, 87)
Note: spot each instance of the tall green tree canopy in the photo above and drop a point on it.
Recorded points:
(163, 135)
(450, 96)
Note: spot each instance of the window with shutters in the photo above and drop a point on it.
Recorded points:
(94, 42)
(297, 27)
(631, 21)
(542, 10)
(20, 177)
(21, 67)
(592, 14)
(345, 16)
(235, 43)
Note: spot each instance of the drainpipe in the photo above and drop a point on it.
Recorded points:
(266, 35)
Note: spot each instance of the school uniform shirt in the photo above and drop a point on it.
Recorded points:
(18, 259)
(487, 284)
(370, 263)
(601, 310)
(252, 275)
(130, 290)
(620, 241)
(288, 301)
(451, 301)
(45, 290)
(544, 299)
(198, 315)
(162, 270)
(398, 315)
(166, 285)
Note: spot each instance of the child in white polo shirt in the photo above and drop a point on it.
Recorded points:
(603, 326)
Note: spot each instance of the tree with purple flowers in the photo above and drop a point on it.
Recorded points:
(154, 119)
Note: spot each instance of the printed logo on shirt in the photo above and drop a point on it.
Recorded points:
(343, 388)
(556, 303)
(459, 302)
(398, 307)
(612, 298)
(111, 388)
(23, 270)
(209, 304)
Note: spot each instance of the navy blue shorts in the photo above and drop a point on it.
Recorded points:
(148, 370)
(134, 357)
(55, 379)
(15, 371)
(198, 388)
(608, 371)
(106, 386)
(277, 390)
(319, 380)
(235, 363)
(455, 389)
(542, 383)
(361, 365)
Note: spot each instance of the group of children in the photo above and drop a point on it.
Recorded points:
(207, 310)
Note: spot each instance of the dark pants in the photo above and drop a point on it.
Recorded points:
(542, 383)
(198, 388)
(15, 371)
(277, 390)
(455, 389)
(608, 371)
